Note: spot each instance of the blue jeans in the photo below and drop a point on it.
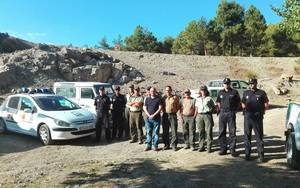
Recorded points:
(152, 132)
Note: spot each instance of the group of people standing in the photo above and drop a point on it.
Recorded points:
(131, 111)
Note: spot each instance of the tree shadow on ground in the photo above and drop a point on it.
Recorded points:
(14, 143)
(150, 173)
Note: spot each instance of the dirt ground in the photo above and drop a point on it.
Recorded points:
(24, 162)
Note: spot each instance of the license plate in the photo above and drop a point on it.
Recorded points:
(86, 127)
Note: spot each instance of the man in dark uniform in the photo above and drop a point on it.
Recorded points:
(254, 103)
(102, 104)
(228, 102)
(118, 108)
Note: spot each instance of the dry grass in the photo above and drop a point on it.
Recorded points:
(275, 71)
(297, 67)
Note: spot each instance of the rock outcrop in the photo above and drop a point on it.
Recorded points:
(44, 64)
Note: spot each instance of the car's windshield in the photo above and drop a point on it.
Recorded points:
(55, 103)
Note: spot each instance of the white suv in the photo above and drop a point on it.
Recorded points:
(82, 93)
(49, 117)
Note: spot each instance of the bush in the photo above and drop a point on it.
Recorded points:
(250, 74)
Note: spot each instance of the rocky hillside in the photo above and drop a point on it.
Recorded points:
(10, 44)
(44, 64)
(189, 71)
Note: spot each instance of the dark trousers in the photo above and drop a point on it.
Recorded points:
(227, 118)
(253, 121)
(102, 122)
(118, 124)
(126, 124)
(189, 130)
(170, 120)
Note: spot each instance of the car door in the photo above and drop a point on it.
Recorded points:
(11, 111)
(87, 97)
(26, 115)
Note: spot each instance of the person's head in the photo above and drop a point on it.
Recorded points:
(152, 91)
(253, 83)
(136, 90)
(203, 91)
(148, 91)
(187, 93)
(131, 89)
(226, 83)
(117, 90)
(101, 91)
(168, 90)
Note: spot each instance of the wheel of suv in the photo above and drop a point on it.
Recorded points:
(2, 126)
(292, 154)
(45, 135)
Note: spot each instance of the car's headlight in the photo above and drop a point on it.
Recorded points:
(62, 123)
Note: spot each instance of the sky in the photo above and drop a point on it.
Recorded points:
(85, 22)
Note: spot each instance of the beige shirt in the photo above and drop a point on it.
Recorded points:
(172, 104)
(136, 99)
(188, 106)
(204, 104)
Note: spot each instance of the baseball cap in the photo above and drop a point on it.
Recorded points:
(226, 81)
(252, 81)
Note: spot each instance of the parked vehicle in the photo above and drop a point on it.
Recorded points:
(82, 93)
(47, 116)
(292, 134)
(214, 86)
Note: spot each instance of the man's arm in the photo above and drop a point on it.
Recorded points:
(157, 111)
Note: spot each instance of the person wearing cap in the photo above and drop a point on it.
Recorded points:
(127, 111)
(118, 108)
(171, 106)
(254, 103)
(152, 108)
(102, 104)
(204, 120)
(228, 103)
(136, 102)
(188, 114)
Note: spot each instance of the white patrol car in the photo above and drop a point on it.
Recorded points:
(47, 116)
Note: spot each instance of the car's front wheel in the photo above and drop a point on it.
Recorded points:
(292, 154)
(45, 135)
(2, 126)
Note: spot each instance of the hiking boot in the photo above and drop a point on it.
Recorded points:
(166, 147)
(233, 153)
(201, 149)
(209, 150)
(147, 148)
(141, 142)
(187, 147)
(222, 152)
